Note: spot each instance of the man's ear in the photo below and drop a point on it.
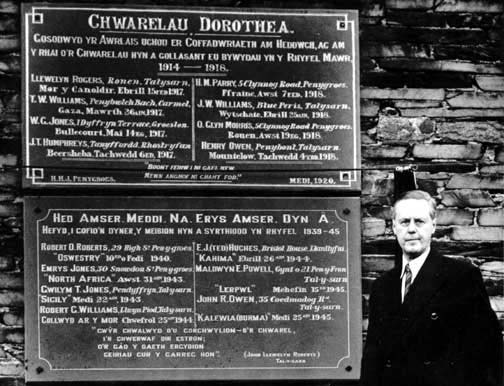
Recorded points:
(434, 223)
(394, 226)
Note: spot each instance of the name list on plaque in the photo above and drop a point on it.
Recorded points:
(177, 97)
(196, 288)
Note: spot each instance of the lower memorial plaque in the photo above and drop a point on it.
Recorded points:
(151, 288)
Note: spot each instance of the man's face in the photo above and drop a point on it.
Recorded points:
(413, 226)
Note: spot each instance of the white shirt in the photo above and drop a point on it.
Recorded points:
(415, 266)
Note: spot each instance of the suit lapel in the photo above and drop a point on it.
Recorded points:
(393, 290)
(427, 283)
(392, 311)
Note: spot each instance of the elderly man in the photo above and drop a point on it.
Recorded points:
(430, 321)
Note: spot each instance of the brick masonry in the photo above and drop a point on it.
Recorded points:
(432, 94)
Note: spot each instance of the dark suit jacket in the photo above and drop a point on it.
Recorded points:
(445, 333)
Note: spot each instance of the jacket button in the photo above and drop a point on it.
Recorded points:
(434, 316)
(388, 363)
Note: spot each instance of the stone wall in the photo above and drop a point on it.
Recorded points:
(432, 95)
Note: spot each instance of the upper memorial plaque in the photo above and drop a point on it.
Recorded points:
(170, 97)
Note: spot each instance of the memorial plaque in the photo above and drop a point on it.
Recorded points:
(150, 288)
(142, 97)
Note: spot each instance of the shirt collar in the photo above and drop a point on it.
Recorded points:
(414, 264)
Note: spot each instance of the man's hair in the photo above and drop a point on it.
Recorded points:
(417, 195)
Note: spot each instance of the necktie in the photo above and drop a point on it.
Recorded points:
(407, 280)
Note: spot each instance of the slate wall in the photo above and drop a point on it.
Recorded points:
(432, 89)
